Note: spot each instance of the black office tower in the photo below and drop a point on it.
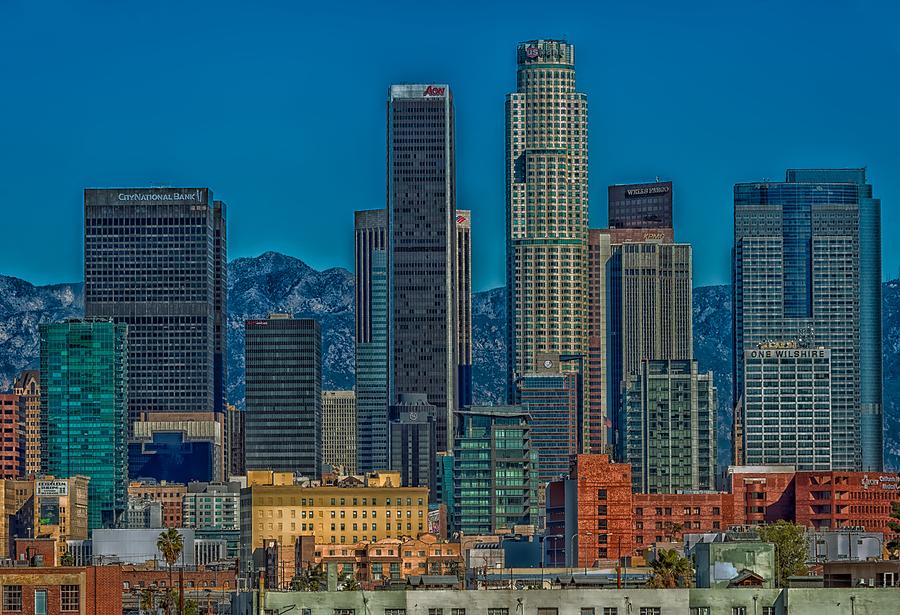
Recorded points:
(283, 414)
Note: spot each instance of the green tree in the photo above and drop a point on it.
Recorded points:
(348, 582)
(893, 546)
(790, 549)
(147, 600)
(310, 580)
(669, 570)
(673, 531)
(67, 559)
(170, 543)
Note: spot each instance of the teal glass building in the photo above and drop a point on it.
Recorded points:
(494, 470)
(84, 410)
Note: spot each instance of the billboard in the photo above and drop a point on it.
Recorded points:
(51, 488)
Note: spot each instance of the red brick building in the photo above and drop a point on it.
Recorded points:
(667, 517)
(12, 436)
(828, 500)
(170, 495)
(91, 590)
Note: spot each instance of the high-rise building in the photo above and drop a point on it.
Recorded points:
(552, 399)
(669, 427)
(339, 430)
(177, 447)
(787, 405)
(422, 262)
(546, 208)
(154, 258)
(463, 286)
(84, 402)
(412, 441)
(283, 422)
(807, 265)
(372, 363)
(641, 206)
(494, 475)
(641, 310)
(12, 436)
(27, 386)
(234, 432)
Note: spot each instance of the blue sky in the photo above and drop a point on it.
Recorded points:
(279, 108)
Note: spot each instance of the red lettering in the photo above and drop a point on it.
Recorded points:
(433, 91)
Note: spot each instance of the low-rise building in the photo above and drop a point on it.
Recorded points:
(734, 563)
(170, 495)
(90, 590)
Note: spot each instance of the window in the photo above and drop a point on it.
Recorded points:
(502, 611)
(601, 494)
(548, 611)
(12, 597)
(587, 610)
(699, 610)
(738, 610)
(40, 602)
(457, 612)
(768, 610)
(651, 610)
(305, 611)
(610, 610)
(395, 612)
(345, 612)
(70, 598)
(435, 611)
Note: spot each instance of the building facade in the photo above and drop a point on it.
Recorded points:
(423, 335)
(177, 447)
(641, 206)
(84, 399)
(283, 422)
(27, 386)
(169, 495)
(669, 418)
(12, 436)
(339, 425)
(463, 286)
(807, 264)
(413, 441)
(61, 508)
(154, 258)
(494, 474)
(546, 208)
(787, 405)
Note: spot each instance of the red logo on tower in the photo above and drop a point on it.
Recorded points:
(531, 52)
(433, 91)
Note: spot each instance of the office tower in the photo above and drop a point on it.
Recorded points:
(552, 399)
(648, 311)
(234, 432)
(339, 430)
(494, 481)
(807, 265)
(787, 402)
(84, 405)
(371, 342)
(12, 436)
(421, 212)
(598, 415)
(641, 206)
(213, 511)
(413, 441)
(154, 258)
(546, 208)
(27, 386)
(177, 447)
(283, 422)
(669, 419)
(463, 286)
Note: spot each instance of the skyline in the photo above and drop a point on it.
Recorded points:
(214, 109)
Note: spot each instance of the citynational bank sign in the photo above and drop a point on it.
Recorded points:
(192, 196)
(886, 482)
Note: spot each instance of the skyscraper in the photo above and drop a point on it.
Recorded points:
(546, 208)
(463, 286)
(412, 442)
(12, 437)
(807, 265)
(154, 258)
(668, 424)
(370, 231)
(339, 430)
(84, 401)
(283, 420)
(422, 261)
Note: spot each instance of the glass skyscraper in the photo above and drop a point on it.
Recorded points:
(807, 266)
(155, 258)
(546, 208)
(283, 415)
(84, 401)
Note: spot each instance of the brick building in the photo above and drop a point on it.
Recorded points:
(12, 436)
(91, 590)
(170, 495)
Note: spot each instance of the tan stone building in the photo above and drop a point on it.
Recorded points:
(61, 510)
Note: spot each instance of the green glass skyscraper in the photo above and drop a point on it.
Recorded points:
(84, 410)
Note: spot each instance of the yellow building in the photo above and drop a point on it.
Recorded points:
(17, 500)
(273, 508)
(61, 509)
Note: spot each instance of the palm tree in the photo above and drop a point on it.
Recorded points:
(170, 543)
(147, 602)
(670, 570)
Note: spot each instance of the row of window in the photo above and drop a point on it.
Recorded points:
(69, 599)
